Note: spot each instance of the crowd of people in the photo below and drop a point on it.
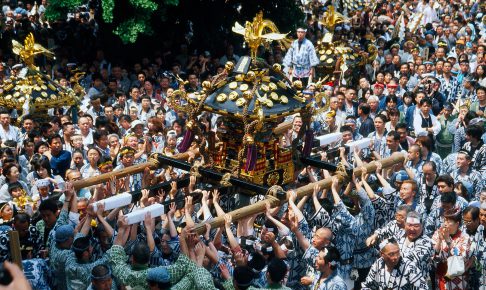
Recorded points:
(416, 225)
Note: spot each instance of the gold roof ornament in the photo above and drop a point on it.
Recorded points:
(331, 18)
(260, 32)
(29, 50)
(30, 90)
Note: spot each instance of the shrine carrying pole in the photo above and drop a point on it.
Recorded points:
(151, 163)
(260, 206)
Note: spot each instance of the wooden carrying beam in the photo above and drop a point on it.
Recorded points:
(282, 128)
(14, 243)
(127, 171)
(260, 206)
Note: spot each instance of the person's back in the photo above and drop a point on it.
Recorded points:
(59, 253)
(79, 266)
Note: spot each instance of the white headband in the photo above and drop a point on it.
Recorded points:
(413, 220)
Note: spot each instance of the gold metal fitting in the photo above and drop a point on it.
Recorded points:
(249, 139)
(248, 95)
(277, 67)
(250, 76)
(206, 85)
(190, 124)
(297, 84)
(229, 66)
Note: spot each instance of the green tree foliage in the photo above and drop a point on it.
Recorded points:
(129, 18)
(212, 19)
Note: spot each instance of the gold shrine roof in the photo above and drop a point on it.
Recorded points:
(28, 88)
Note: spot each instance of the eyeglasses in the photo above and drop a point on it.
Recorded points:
(467, 222)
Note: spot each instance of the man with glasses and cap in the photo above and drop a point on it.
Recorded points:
(301, 58)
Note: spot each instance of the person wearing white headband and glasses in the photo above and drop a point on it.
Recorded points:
(326, 277)
(392, 271)
(415, 245)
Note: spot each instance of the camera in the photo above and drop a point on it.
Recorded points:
(5, 277)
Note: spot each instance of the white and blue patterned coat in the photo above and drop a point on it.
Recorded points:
(333, 282)
(419, 251)
(405, 276)
(301, 60)
(351, 233)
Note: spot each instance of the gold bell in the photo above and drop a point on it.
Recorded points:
(277, 67)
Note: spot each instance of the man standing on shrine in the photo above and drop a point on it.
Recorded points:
(301, 59)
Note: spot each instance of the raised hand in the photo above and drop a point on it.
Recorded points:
(192, 182)
(188, 204)
(173, 188)
(216, 195)
(227, 220)
(100, 208)
(269, 237)
(90, 211)
(172, 209)
(69, 190)
(205, 195)
(149, 222)
(335, 183)
(292, 195)
(122, 222)
(379, 167)
(224, 271)
(294, 223)
(161, 195)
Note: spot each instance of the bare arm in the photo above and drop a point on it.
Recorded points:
(99, 214)
(302, 202)
(334, 190)
(231, 238)
(170, 220)
(315, 199)
(217, 207)
(123, 231)
(149, 228)
(295, 209)
(188, 208)
(270, 239)
(294, 227)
